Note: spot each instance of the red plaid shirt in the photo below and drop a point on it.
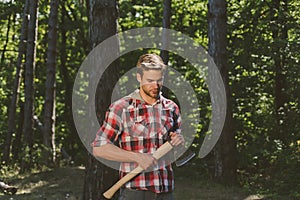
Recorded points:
(137, 126)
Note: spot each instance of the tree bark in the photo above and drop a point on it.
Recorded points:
(16, 87)
(29, 84)
(166, 23)
(280, 35)
(67, 84)
(17, 142)
(103, 24)
(225, 149)
(6, 38)
(49, 106)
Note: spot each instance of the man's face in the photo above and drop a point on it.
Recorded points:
(151, 82)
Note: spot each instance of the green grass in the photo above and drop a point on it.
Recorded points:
(67, 183)
(191, 184)
(56, 184)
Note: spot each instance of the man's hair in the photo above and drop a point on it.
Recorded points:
(150, 62)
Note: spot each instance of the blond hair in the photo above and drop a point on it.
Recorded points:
(150, 62)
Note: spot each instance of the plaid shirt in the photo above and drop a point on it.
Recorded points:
(137, 126)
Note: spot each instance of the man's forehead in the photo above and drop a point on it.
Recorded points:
(153, 74)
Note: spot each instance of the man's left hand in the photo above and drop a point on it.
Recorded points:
(176, 139)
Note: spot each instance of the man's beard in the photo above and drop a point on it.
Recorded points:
(152, 93)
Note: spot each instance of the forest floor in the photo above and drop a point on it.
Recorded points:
(67, 183)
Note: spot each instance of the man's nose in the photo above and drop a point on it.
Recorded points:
(157, 84)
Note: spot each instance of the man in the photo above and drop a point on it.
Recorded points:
(139, 124)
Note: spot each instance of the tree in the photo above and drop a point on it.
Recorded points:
(16, 87)
(279, 12)
(166, 23)
(9, 23)
(103, 24)
(66, 77)
(49, 106)
(29, 83)
(224, 152)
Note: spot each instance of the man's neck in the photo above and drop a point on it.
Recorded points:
(148, 99)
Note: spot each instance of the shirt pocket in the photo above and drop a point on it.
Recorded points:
(166, 122)
(132, 143)
(135, 123)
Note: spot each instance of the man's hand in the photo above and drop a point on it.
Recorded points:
(145, 160)
(176, 139)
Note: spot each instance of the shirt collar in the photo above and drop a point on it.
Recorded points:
(136, 95)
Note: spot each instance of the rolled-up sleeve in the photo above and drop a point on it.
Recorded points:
(177, 120)
(110, 130)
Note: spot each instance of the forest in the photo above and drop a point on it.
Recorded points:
(254, 44)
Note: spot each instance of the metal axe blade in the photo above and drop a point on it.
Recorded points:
(180, 152)
(186, 156)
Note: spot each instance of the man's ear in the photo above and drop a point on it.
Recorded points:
(139, 77)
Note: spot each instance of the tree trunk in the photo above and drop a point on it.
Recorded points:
(17, 142)
(166, 23)
(16, 87)
(67, 84)
(280, 35)
(103, 24)
(49, 106)
(29, 84)
(9, 23)
(225, 150)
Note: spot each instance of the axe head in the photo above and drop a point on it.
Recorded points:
(184, 154)
(184, 158)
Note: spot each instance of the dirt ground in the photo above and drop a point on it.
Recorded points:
(67, 183)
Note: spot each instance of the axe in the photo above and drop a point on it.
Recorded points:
(185, 157)
(159, 153)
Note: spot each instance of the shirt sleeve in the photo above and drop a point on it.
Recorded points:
(177, 119)
(110, 130)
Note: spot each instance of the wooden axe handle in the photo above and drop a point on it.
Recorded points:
(160, 152)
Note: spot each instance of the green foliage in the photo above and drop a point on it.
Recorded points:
(140, 14)
(266, 161)
(190, 17)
